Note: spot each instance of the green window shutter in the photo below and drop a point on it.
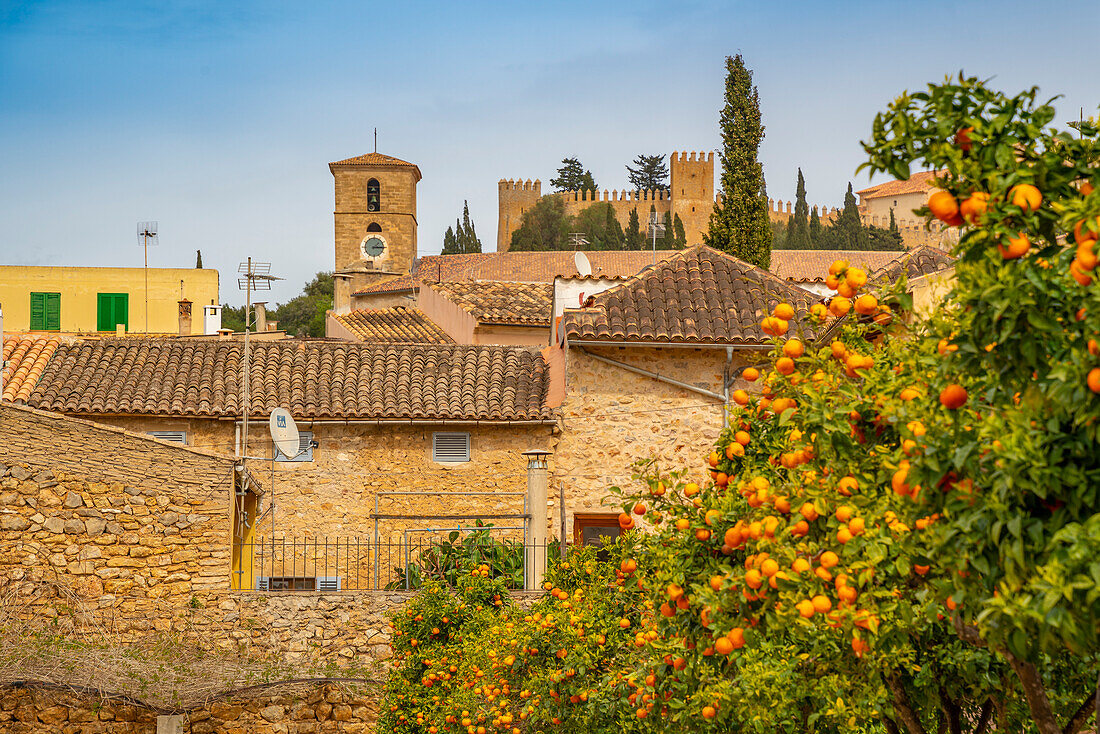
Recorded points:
(38, 311)
(53, 311)
(113, 309)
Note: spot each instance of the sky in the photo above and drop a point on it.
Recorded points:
(218, 119)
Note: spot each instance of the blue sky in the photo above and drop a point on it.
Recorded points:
(218, 119)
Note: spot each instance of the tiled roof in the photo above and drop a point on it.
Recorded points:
(397, 325)
(26, 356)
(517, 267)
(914, 263)
(377, 160)
(810, 266)
(699, 296)
(496, 302)
(313, 379)
(918, 183)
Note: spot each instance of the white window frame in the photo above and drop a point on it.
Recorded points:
(179, 437)
(447, 458)
(305, 448)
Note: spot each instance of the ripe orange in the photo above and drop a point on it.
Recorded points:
(822, 603)
(800, 565)
(742, 437)
(843, 289)
(839, 349)
(784, 365)
(1082, 231)
(723, 646)
(769, 567)
(737, 637)
(963, 139)
(639, 509)
(628, 566)
(794, 348)
(857, 525)
(808, 511)
(1086, 254)
(866, 304)
(847, 485)
(953, 397)
(898, 482)
(753, 579)
(702, 535)
(805, 608)
(829, 559)
(716, 582)
(855, 278)
(945, 208)
(837, 267)
(674, 591)
(784, 311)
(709, 712)
(844, 513)
(625, 521)
(734, 450)
(974, 207)
(683, 523)
(921, 569)
(843, 535)
(1094, 348)
(750, 374)
(1014, 247)
(713, 458)
(1093, 379)
(1079, 273)
(740, 397)
(1025, 196)
(839, 306)
(818, 311)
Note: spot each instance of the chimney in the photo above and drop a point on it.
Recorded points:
(224, 334)
(261, 315)
(272, 325)
(185, 317)
(537, 476)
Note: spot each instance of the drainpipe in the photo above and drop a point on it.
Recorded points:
(537, 476)
(727, 380)
(655, 376)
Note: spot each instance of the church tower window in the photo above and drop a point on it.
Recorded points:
(374, 227)
(374, 196)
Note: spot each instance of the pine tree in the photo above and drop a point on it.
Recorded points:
(651, 173)
(198, 254)
(798, 228)
(893, 223)
(815, 235)
(740, 225)
(450, 244)
(848, 230)
(572, 176)
(635, 240)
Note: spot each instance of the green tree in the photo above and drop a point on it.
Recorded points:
(600, 227)
(305, 314)
(543, 227)
(572, 176)
(233, 317)
(814, 232)
(635, 240)
(649, 174)
(198, 259)
(680, 241)
(739, 225)
(463, 238)
(798, 228)
(848, 232)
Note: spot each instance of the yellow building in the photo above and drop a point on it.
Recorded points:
(76, 299)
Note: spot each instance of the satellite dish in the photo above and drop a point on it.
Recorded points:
(583, 266)
(284, 433)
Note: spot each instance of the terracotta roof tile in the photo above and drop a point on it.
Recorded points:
(26, 356)
(373, 159)
(496, 302)
(397, 325)
(699, 296)
(517, 267)
(811, 266)
(918, 183)
(313, 379)
(914, 263)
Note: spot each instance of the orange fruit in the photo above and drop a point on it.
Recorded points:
(737, 637)
(844, 513)
(829, 559)
(625, 521)
(740, 397)
(1082, 231)
(1014, 247)
(921, 570)
(769, 567)
(794, 348)
(974, 207)
(963, 140)
(953, 397)
(639, 509)
(818, 311)
(784, 365)
(843, 289)
(750, 373)
(784, 311)
(866, 304)
(1094, 348)
(898, 482)
(838, 349)
(1086, 254)
(855, 277)
(1025, 196)
(753, 579)
(944, 207)
(1079, 273)
(723, 646)
(1093, 379)
(843, 535)
(808, 511)
(857, 525)
(674, 591)
(800, 565)
(822, 603)
(742, 437)
(837, 267)
(839, 306)
(709, 712)
(805, 608)
(847, 485)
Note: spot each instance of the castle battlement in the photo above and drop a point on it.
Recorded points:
(683, 157)
(639, 196)
(519, 185)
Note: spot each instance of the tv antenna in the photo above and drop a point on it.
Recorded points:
(656, 229)
(578, 239)
(584, 268)
(254, 276)
(147, 235)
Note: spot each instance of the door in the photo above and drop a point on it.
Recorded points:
(114, 308)
(45, 311)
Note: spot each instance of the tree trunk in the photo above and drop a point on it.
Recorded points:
(889, 724)
(904, 710)
(984, 717)
(1035, 693)
(1084, 711)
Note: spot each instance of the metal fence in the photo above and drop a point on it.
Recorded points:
(355, 563)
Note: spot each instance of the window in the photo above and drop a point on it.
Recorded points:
(374, 227)
(45, 312)
(298, 583)
(374, 196)
(173, 436)
(450, 448)
(113, 309)
(592, 528)
(305, 448)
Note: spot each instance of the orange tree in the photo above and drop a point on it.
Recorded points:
(1011, 459)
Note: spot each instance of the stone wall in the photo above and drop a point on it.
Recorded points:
(397, 216)
(613, 417)
(306, 709)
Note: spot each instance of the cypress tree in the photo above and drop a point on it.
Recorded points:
(740, 225)
(635, 240)
(814, 234)
(680, 239)
(613, 233)
(850, 234)
(467, 236)
(798, 228)
(198, 253)
(450, 245)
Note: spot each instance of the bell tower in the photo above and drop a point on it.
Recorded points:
(374, 220)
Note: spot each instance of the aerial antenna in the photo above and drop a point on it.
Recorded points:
(656, 229)
(578, 239)
(583, 266)
(254, 276)
(147, 235)
(375, 140)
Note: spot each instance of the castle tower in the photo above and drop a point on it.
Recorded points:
(375, 214)
(513, 199)
(692, 185)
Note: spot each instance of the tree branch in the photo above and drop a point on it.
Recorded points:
(890, 725)
(1084, 711)
(904, 710)
(1035, 693)
(984, 717)
(951, 711)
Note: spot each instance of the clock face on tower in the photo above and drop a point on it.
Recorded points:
(373, 246)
